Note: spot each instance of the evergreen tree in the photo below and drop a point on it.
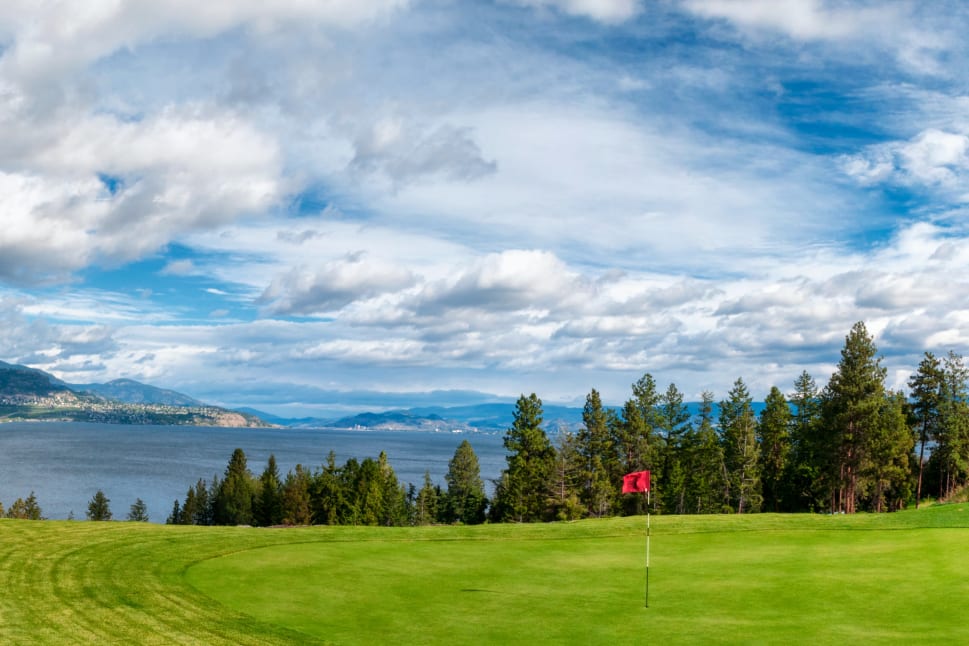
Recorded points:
(599, 460)
(394, 512)
(740, 451)
(887, 471)
(565, 503)
(25, 509)
(425, 504)
(637, 450)
(773, 433)
(703, 464)
(269, 510)
(175, 518)
(328, 493)
(522, 493)
(851, 406)
(367, 492)
(99, 507)
(466, 501)
(805, 470)
(189, 508)
(138, 512)
(294, 499)
(927, 384)
(234, 500)
(950, 459)
(673, 419)
(647, 399)
(203, 505)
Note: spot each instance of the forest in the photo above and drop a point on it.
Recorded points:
(851, 446)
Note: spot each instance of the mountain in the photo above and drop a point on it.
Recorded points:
(31, 394)
(133, 392)
(21, 380)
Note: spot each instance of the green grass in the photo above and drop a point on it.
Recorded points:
(716, 579)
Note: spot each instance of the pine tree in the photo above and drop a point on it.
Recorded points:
(887, 471)
(203, 505)
(673, 419)
(425, 504)
(25, 509)
(328, 493)
(851, 405)
(703, 464)
(565, 503)
(138, 512)
(269, 510)
(99, 507)
(740, 451)
(394, 512)
(466, 500)
(600, 462)
(637, 449)
(950, 459)
(189, 508)
(773, 433)
(294, 499)
(927, 386)
(233, 503)
(175, 518)
(804, 475)
(523, 490)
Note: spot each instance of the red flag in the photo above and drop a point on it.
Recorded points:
(636, 482)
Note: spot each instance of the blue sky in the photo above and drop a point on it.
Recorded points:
(318, 207)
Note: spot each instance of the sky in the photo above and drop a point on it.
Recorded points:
(318, 207)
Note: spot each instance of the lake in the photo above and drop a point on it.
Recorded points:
(64, 464)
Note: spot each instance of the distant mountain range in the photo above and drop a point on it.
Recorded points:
(28, 393)
(31, 394)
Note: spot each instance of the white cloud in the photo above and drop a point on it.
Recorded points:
(56, 37)
(932, 158)
(604, 11)
(333, 285)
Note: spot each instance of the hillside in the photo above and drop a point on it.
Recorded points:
(30, 394)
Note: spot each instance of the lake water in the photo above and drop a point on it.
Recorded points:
(64, 464)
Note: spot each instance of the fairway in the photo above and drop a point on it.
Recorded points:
(727, 579)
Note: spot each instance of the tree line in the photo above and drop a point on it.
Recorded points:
(365, 492)
(854, 445)
(847, 447)
(844, 448)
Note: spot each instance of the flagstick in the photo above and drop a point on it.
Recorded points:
(647, 548)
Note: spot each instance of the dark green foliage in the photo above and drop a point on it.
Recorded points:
(927, 384)
(566, 480)
(327, 494)
(466, 500)
(673, 423)
(851, 406)
(738, 428)
(269, 507)
(294, 500)
(138, 512)
(234, 500)
(704, 485)
(949, 465)
(175, 518)
(523, 493)
(773, 433)
(803, 481)
(426, 502)
(99, 507)
(25, 509)
(601, 468)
